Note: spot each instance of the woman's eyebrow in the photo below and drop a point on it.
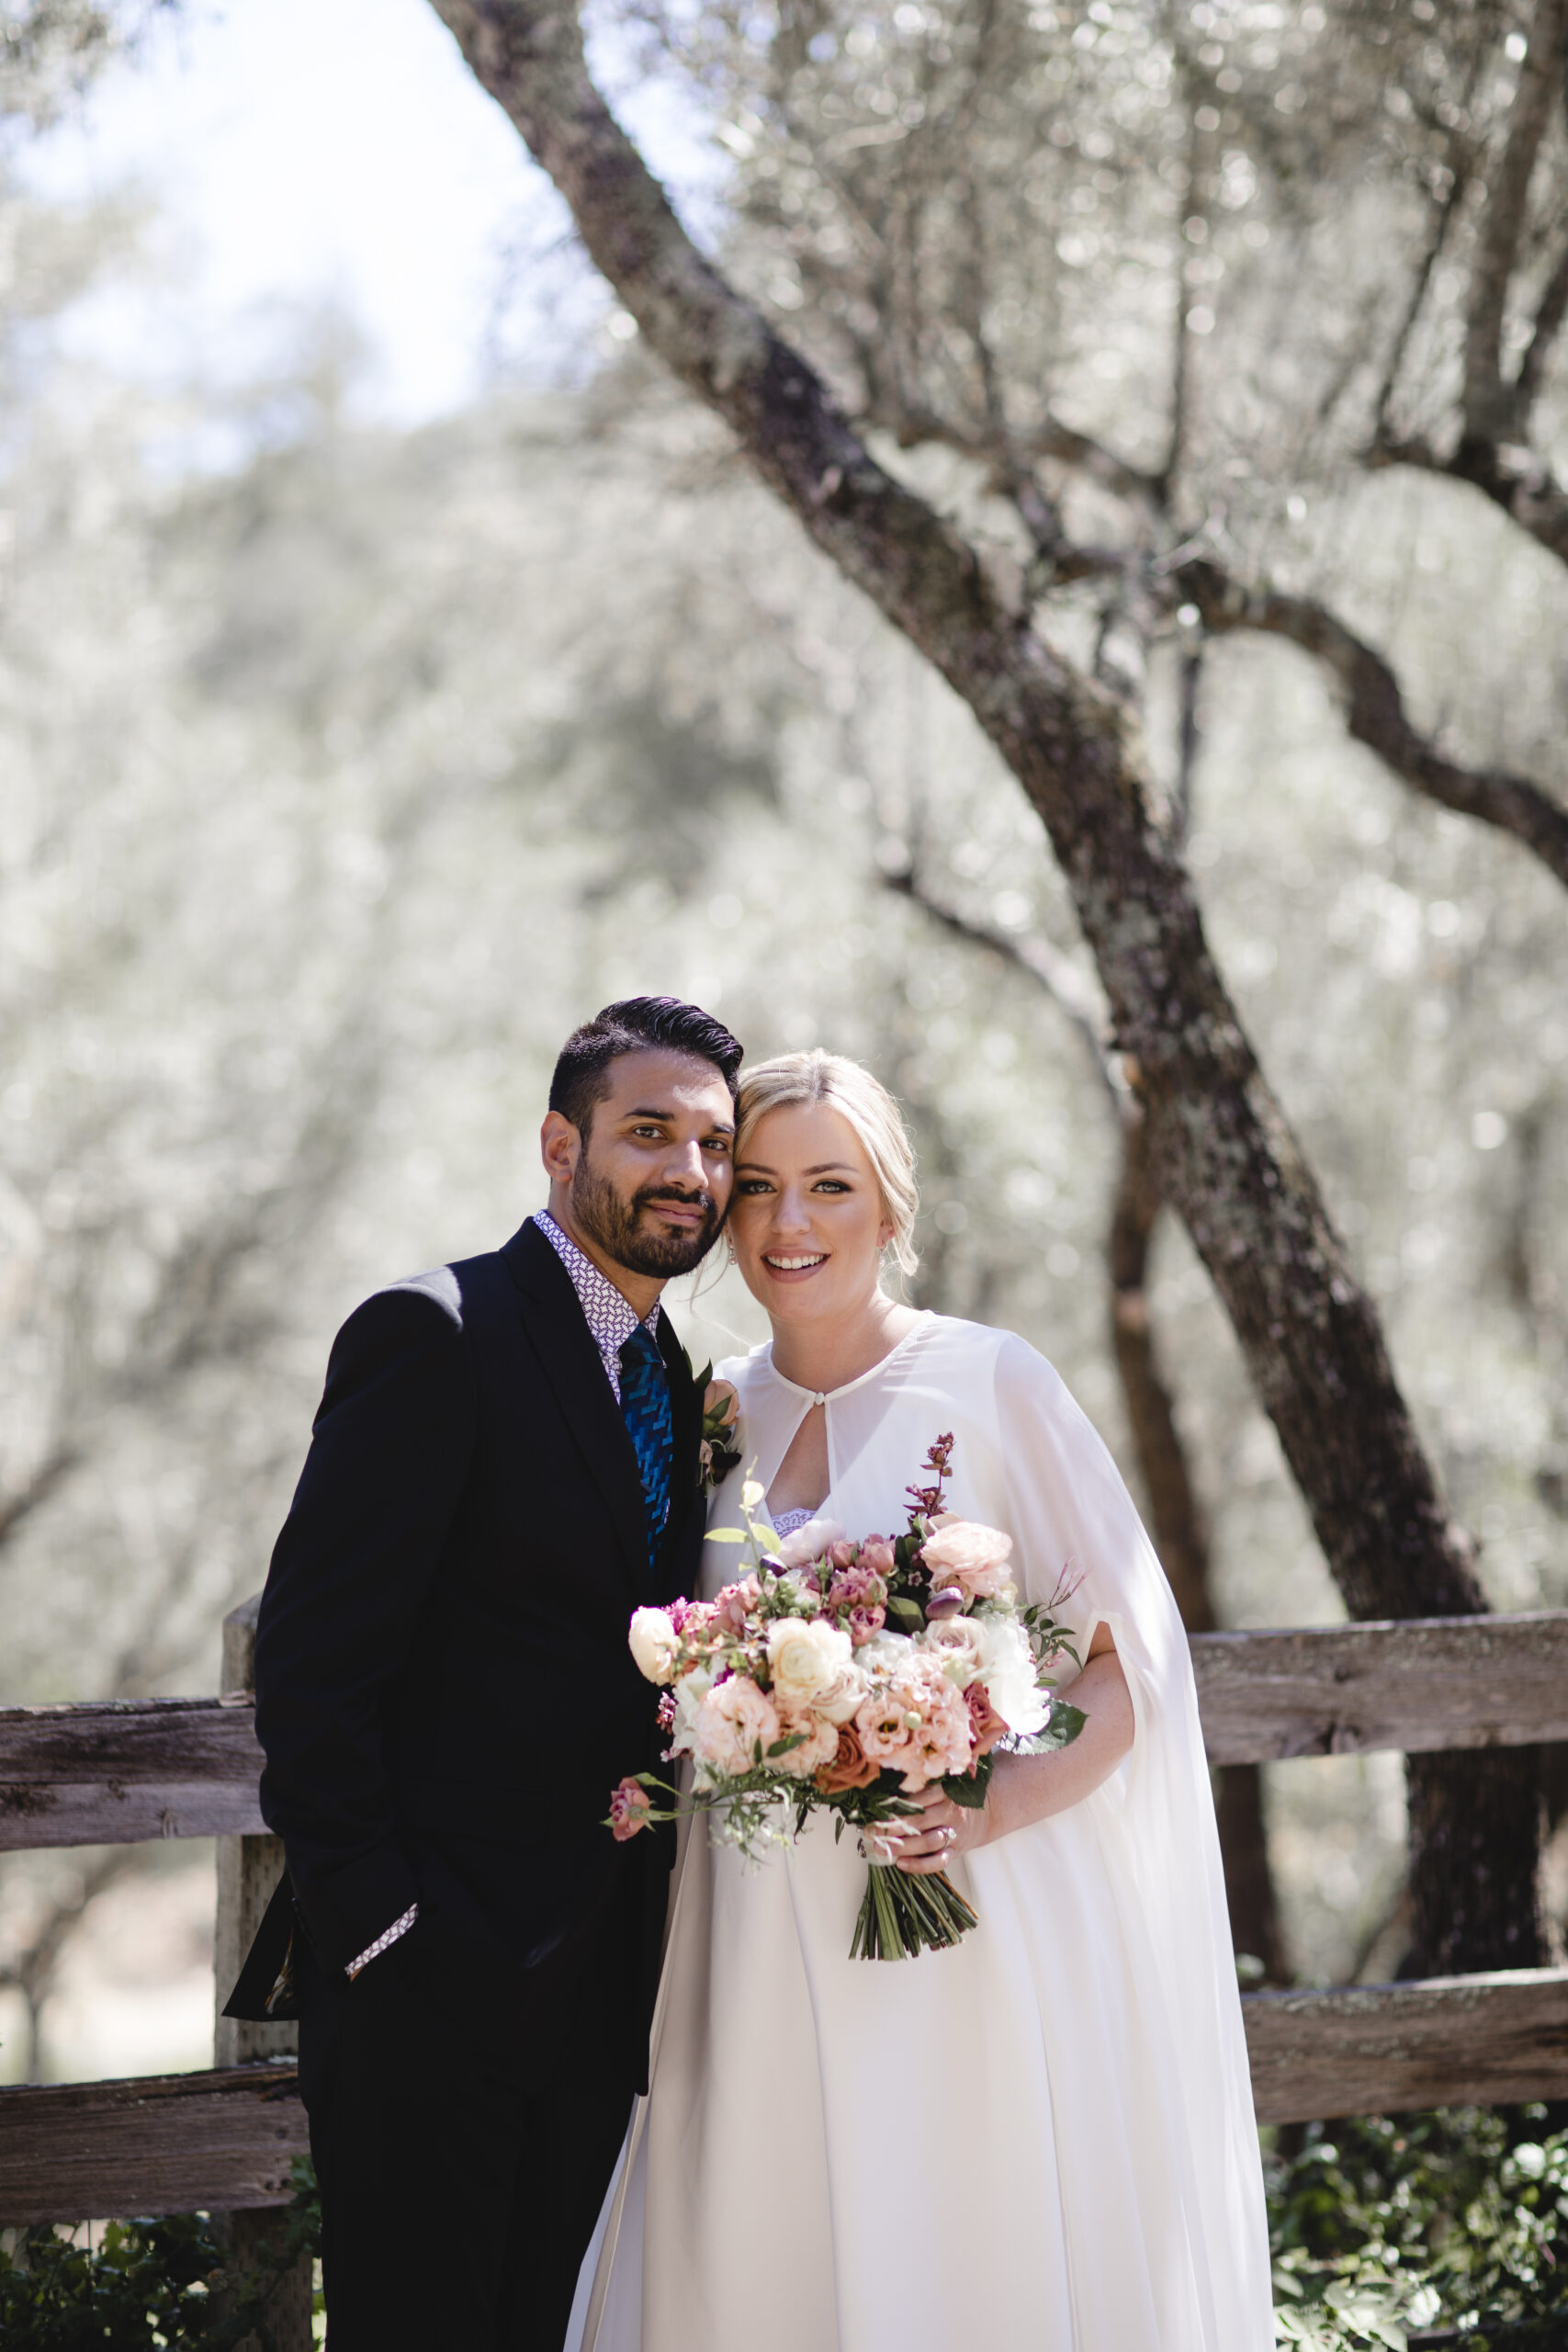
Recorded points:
(828, 1168)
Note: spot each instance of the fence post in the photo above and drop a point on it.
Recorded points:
(248, 1870)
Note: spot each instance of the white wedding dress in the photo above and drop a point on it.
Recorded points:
(1042, 2141)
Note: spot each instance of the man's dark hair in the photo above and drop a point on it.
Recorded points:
(631, 1027)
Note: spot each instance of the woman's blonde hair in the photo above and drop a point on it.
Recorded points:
(864, 1102)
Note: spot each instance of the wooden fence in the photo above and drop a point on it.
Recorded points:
(223, 2139)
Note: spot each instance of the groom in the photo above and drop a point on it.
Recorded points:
(505, 1465)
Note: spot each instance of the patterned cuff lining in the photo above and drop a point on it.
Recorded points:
(373, 1951)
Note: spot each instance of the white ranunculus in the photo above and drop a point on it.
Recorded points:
(807, 1656)
(653, 1642)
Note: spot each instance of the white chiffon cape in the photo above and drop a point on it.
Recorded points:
(1042, 2141)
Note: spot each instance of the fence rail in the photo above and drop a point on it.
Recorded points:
(118, 1771)
(223, 2139)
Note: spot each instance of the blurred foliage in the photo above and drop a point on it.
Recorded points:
(1458, 2217)
(148, 2284)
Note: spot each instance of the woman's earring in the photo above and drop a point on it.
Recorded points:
(729, 1245)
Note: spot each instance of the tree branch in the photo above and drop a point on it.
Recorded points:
(1488, 398)
(1375, 712)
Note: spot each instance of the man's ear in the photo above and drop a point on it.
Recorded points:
(560, 1148)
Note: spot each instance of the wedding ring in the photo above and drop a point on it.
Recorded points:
(948, 1835)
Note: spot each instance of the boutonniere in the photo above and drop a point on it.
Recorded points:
(719, 1450)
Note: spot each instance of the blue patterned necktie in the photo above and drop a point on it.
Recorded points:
(645, 1407)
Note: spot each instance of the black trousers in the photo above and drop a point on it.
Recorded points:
(463, 2132)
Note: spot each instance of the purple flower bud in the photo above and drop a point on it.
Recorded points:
(945, 1604)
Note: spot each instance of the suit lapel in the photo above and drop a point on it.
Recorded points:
(687, 1411)
(569, 1359)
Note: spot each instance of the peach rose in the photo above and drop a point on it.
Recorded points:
(733, 1718)
(851, 1768)
(962, 1552)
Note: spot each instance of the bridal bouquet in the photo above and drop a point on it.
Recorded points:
(844, 1677)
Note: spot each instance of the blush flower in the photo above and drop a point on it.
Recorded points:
(985, 1726)
(819, 1743)
(962, 1552)
(867, 1623)
(629, 1807)
(730, 1722)
(721, 1405)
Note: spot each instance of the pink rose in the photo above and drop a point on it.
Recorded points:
(985, 1726)
(843, 1554)
(961, 1552)
(876, 1553)
(866, 1622)
(629, 1806)
(731, 1720)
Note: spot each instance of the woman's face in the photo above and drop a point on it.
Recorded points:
(808, 1219)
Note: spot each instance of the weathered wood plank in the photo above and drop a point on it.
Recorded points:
(225, 2140)
(159, 2144)
(1429, 1682)
(114, 1772)
(1380, 2049)
(117, 1771)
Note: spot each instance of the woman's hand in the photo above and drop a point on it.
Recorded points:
(927, 1840)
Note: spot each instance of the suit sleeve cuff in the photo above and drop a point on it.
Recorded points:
(384, 1941)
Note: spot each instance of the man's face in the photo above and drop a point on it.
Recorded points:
(652, 1180)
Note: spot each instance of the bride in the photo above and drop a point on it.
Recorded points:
(1041, 2140)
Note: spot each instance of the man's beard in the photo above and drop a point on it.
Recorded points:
(614, 1225)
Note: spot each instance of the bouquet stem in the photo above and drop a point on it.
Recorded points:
(907, 1913)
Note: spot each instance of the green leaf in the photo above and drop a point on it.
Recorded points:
(783, 1746)
(908, 1614)
(964, 1790)
(727, 1535)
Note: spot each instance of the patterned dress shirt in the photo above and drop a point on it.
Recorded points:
(612, 1320)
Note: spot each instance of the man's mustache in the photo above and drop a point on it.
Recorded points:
(668, 1193)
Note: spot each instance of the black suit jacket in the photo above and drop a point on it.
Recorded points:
(443, 1691)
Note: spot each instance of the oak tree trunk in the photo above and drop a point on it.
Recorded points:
(1176, 1522)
